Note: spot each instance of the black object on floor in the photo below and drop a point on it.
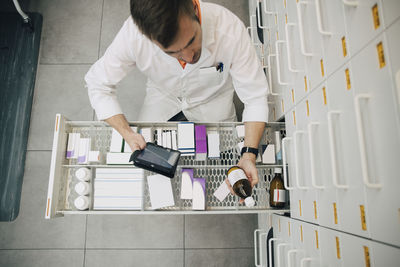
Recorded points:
(19, 51)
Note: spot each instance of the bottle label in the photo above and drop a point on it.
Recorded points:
(279, 195)
(236, 175)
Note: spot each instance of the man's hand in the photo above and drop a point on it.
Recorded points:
(135, 140)
(248, 164)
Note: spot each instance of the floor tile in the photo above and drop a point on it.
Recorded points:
(31, 229)
(133, 258)
(115, 13)
(219, 257)
(40, 258)
(137, 231)
(220, 231)
(59, 89)
(71, 30)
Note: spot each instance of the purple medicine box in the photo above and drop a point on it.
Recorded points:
(201, 142)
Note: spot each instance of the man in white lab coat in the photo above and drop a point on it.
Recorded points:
(195, 56)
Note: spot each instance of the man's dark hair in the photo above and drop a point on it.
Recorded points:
(158, 19)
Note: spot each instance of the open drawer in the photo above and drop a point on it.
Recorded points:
(61, 181)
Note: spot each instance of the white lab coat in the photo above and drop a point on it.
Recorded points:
(202, 93)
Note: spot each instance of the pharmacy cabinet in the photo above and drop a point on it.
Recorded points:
(393, 56)
(330, 246)
(331, 26)
(61, 192)
(391, 10)
(379, 139)
(345, 156)
(364, 21)
(320, 159)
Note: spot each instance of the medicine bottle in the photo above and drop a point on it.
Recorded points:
(277, 192)
(82, 203)
(83, 174)
(241, 185)
(82, 188)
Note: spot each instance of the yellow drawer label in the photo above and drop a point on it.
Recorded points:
(301, 233)
(283, 107)
(322, 68)
(308, 108)
(276, 19)
(344, 47)
(335, 213)
(367, 257)
(348, 82)
(324, 93)
(363, 220)
(292, 95)
(286, 18)
(305, 83)
(284, 3)
(315, 209)
(289, 228)
(277, 35)
(279, 224)
(300, 207)
(316, 239)
(381, 55)
(375, 16)
(294, 122)
(337, 248)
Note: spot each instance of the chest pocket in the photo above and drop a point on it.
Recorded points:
(209, 77)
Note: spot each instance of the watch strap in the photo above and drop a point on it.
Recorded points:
(247, 149)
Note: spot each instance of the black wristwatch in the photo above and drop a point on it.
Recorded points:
(247, 149)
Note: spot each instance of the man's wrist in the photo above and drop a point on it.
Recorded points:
(249, 156)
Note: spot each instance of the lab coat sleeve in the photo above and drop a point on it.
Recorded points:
(103, 76)
(249, 79)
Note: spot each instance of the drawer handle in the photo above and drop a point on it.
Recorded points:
(270, 250)
(288, 256)
(265, 9)
(279, 252)
(350, 3)
(259, 16)
(361, 140)
(278, 68)
(333, 151)
(312, 156)
(290, 65)
(250, 29)
(303, 260)
(285, 179)
(270, 74)
(301, 30)
(319, 18)
(296, 150)
(256, 250)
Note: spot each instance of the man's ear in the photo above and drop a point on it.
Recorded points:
(196, 10)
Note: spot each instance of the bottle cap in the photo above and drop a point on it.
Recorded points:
(82, 188)
(82, 203)
(278, 170)
(249, 201)
(83, 174)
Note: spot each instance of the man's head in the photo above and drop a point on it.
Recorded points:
(171, 24)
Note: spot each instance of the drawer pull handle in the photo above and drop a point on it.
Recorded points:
(270, 250)
(350, 3)
(312, 156)
(319, 19)
(285, 179)
(270, 74)
(296, 150)
(361, 140)
(333, 151)
(278, 65)
(301, 30)
(290, 65)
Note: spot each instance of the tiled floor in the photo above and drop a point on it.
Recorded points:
(75, 34)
